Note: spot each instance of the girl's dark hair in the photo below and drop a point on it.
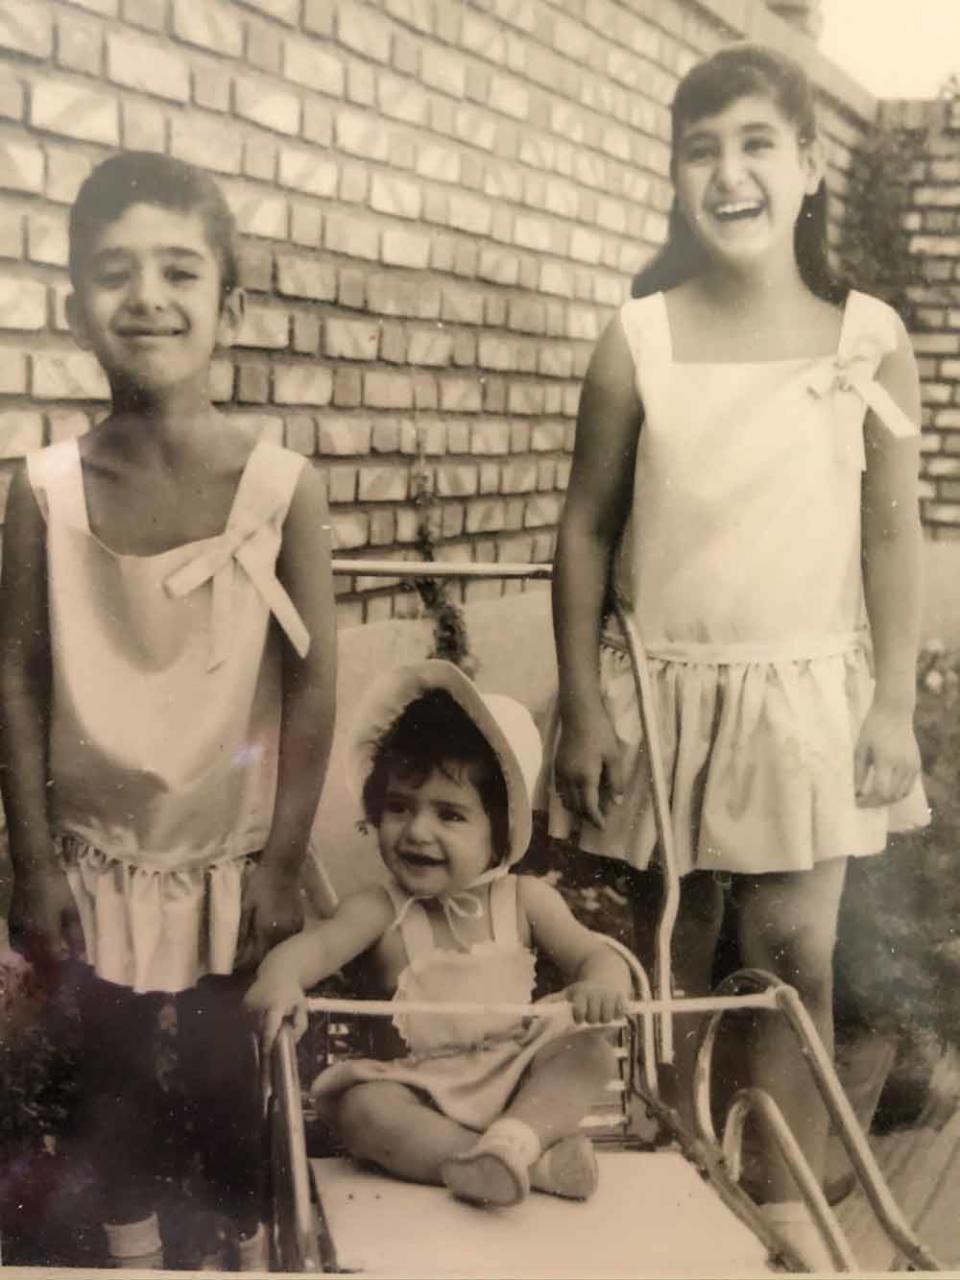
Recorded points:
(434, 732)
(735, 72)
(143, 177)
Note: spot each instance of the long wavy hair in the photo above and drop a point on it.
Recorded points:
(737, 71)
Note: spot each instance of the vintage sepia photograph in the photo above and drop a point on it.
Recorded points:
(479, 638)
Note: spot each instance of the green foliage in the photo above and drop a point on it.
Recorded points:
(38, 1067)
(898, 949)
(874, 247)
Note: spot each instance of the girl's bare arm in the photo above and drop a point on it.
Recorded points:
(599, 981)
(887, 759)
(598, 498)
(42, 911)
(321, 949)
(272, 908)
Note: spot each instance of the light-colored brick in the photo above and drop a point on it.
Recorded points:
(343, 437)
(496, 353)
(405, 249)
(266, 327)
(10, 233)
(489, 438)
(258, 214)
(302, 384)
(457, 480)
(143, 125)
(14, 378)
(383, 390)
(21, 431)
(313, 65)
(342, 484)
(150, 14)
(267, 104)
(148, 67)
(382, 484)
(286, 11)
(208, 25)
(389, 295)
(462, 306)
(500, 266)
(306, 171)
(350, 530)
(66, 424)
(76, 111)
(26, 27)
(79, 46)
(402, 99)
(23, 304)
(396, 196)
(461, 395)
(467, 213)
(207, 143)
(73, 375)
(351, 236)
(47, 238)
(362, 134)
(299, 276)
(363, 31)
(351, 339)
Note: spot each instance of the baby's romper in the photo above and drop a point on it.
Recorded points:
(740, 566)
(467, 1065)
(165, 712)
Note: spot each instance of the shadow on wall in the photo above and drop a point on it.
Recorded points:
(511, 641)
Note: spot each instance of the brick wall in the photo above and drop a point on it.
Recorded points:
(933, 223)
(440, 203)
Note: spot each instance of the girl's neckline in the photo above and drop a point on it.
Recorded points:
(167, 551)
(739, 364)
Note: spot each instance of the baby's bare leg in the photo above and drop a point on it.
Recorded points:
(564, 1079)
(389, 1125)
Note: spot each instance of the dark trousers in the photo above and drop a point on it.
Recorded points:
(168, 1081)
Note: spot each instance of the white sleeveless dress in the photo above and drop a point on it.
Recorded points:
(740, 566)
(468, 1065)
(165, 718)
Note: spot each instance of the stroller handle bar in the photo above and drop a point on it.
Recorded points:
(549, 1008)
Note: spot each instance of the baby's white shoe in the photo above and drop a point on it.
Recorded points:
(496, 1169)
(569, 1168)
(135, 1245)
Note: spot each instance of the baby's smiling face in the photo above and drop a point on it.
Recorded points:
(435, 834)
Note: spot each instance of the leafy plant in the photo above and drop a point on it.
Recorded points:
(874, 247)
(898, 950)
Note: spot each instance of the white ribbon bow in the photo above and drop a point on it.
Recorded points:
(216, 561)
(463, 903)
(854, 373)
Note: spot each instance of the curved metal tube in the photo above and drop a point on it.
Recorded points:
(661, 810)
(871, 1177)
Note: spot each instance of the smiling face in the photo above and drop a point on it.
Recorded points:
(435, 834)
(741, 176)
(150, 301)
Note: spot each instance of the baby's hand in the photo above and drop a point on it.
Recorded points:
(887, 759)
(594, 1002)
(272, 999)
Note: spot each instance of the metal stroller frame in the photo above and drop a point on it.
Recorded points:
(298, 1239)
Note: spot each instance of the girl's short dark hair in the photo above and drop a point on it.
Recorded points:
(143, 177)
(736, 71)
(434, 732)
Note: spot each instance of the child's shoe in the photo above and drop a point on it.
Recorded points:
(569, 1168)
(794, 1223)
(135, 1245)
(495, 1171)
(253, 1252)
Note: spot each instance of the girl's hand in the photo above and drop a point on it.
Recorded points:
(589, 774)
(271, 909)
(887, 760)
(273, 999)
(44, 921)
(595, 1002)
